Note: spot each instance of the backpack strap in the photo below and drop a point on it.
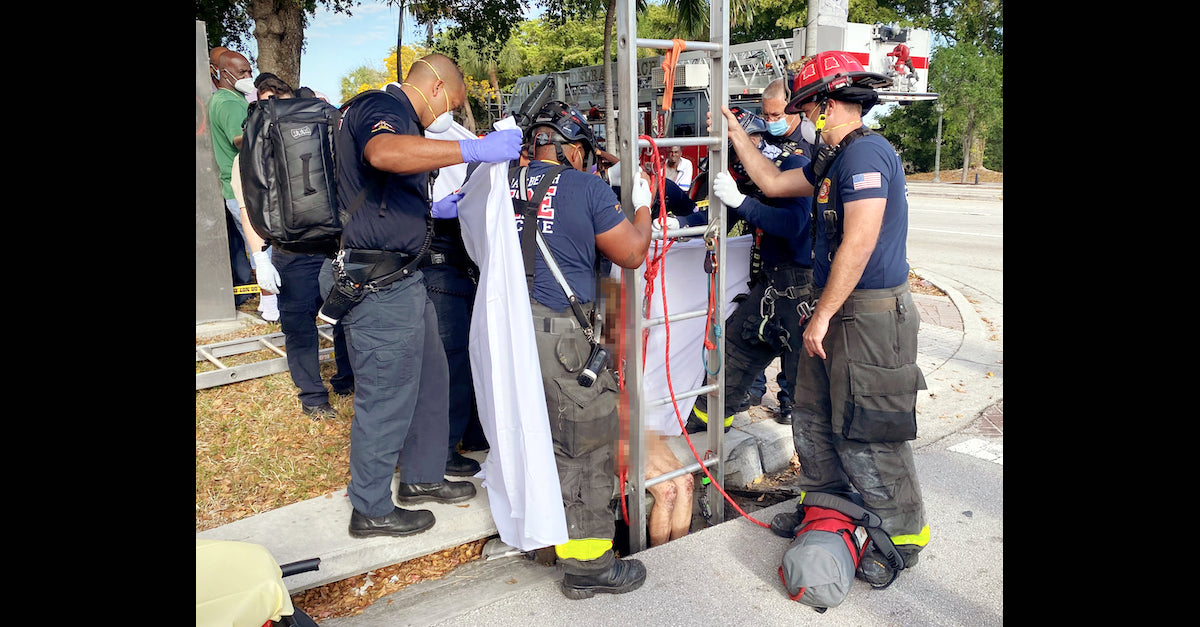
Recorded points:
(865, 518)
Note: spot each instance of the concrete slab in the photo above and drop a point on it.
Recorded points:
(775, 445)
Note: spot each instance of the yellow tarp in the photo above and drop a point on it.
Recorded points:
(238, 584)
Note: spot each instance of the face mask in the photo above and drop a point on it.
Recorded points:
(245, 85)
(778, 127)
(441, 124)
(808, 131)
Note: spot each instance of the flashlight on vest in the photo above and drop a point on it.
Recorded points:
(595, 364)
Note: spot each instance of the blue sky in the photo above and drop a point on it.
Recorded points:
(336, 44)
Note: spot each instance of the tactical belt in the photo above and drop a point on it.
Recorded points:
(387, 266)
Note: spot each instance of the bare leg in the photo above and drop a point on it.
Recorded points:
(671, 516)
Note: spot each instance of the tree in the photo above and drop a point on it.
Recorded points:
(970, 80)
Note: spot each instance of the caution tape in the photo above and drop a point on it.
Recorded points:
(246, 289)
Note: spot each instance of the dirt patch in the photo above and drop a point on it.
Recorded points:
(955, 176)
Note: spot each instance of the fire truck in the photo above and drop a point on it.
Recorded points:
(898, 52)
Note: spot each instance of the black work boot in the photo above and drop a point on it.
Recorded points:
(784, 525)
(459, 465)
(443, 492)
(875, 570)
(784, 417)
(625, 575)
(400, 522)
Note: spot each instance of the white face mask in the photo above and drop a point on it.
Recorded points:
(441, 123)
(245, 85)
(808, 130)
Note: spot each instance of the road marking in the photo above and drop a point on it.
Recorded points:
(982, 449)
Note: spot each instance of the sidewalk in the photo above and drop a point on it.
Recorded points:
(679, 590)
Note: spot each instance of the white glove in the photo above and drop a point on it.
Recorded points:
(642, 196)
(727, 191)
(268, 276)
(672, 223)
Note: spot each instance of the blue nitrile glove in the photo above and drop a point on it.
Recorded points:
(447, 207)
(268, 276)
(726, 189)
(495, 147)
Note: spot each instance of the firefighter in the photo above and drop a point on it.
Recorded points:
(857, 379)
(578, 215)
(768, 320)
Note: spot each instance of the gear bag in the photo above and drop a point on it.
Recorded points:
(288, 177)
(818, 566)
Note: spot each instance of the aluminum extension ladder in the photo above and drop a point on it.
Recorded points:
(232, 374)
(627, 152)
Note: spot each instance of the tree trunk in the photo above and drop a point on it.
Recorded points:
(400, 39)
(968, 139)
(279, 31)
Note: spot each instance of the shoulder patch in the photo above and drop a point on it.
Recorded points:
(382, 126)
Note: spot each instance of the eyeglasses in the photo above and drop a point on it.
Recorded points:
(772, 117)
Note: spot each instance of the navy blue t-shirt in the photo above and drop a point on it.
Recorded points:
(400, 226)
(784, 221)
(577, 208)
(866, 168)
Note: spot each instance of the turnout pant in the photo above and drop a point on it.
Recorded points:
(752, 341)
(856, 411)
(583, 426)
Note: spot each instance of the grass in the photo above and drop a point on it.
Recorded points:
(255, 450)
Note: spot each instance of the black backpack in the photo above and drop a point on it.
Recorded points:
(288, 176)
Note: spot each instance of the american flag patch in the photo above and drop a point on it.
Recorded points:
(868, 180)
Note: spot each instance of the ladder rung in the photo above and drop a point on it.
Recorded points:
(686, 470)
(209, 356)
(272, 347)
(680, 141)
(696, 392)
(650, 322)
(687, 231)
(669, 44)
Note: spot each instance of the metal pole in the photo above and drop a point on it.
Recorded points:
(937, 155)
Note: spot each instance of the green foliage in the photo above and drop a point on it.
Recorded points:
(912, 131)
(225, 22)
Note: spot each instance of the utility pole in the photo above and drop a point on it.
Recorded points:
(937, 155)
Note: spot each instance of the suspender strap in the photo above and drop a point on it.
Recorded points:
(531, 238)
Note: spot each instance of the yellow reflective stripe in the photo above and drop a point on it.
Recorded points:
(920, 539)
(703, 416)
(583, 549)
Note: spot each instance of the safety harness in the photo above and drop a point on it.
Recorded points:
(824, 159)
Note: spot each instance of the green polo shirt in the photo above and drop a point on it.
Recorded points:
(226, 112)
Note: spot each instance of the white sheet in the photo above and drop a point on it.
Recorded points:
(686, 291)
(519, 474)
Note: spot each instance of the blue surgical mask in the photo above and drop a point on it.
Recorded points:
(778, 127)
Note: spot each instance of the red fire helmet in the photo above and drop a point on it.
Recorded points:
(827, 74)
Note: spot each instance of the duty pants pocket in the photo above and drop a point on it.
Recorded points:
(882, 403)
(583, 419)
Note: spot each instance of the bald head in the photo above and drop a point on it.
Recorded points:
(232, 67)
(213, 56)
(438, 83)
